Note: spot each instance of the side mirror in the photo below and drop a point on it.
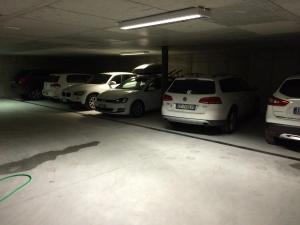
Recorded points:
(112, 82)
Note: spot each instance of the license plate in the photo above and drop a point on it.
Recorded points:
(185, 106)
(297, 110)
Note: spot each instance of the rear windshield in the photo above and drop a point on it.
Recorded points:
(53, 78)
(99, 79)
(193, 86)
(291, 88)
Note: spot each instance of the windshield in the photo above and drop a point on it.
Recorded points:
(135, 83)
(291, 88)
(99, 79)
(193, 86)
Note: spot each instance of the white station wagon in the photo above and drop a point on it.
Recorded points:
(217, 101)
(283, 112)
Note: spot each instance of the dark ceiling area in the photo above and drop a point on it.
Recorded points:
(91, 27)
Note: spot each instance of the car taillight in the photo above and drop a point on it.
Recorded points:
(55, 85)
(277, 101)
(210, 100)
(167, 98)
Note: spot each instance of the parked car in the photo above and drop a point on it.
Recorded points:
(283, 112)
(216, 101)
(86, 94)
(133, 97)
(29, 83)
(54, 85)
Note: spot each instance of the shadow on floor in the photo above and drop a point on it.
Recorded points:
(36, 160)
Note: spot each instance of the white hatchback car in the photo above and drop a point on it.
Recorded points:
(54, 85)
(283, 112)
(87, 93)
(133, 97)
(216, 101)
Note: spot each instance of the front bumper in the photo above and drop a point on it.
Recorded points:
(283, 131)
(193, 121)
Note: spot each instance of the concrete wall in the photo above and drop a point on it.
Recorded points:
(264, 68)
(10, 65)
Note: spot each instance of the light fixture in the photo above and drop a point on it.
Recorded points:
(168, 17)
(12, 28)
(134, 53)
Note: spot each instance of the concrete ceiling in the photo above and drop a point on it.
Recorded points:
(91, 26)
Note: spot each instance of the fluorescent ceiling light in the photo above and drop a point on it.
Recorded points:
(163, 18)
(12, 28)
(134, 53)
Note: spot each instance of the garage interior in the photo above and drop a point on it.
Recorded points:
(90, 168)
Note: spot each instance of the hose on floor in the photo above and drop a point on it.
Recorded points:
(9, 194)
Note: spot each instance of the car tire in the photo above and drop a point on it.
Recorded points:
(270, 139)
(137, 109)
(231, 121)
(35, 94)
(90, 101)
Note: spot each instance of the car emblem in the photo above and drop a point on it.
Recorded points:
(189, 92)
(184, 99)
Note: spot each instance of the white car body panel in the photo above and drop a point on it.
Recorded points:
(150, 98)
(55, 91)
(207, 114)
(90, 88)
(284, 115)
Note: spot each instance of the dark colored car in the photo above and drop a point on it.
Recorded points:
(29, 83)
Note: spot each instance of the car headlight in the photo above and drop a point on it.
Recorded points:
(79, 93)
(120, 100)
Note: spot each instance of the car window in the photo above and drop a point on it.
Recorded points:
(135, 83)
(155, 84)
(117, 79)
(233, 85)
(126, 77)
(99, 79)
(291, 88)
(193, 86)
(76, 78)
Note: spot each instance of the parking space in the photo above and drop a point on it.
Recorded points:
(119, 173)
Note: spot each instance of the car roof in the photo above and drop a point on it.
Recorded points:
(117, 73)
(293, 77)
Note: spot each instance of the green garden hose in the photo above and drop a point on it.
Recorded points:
(17, 188)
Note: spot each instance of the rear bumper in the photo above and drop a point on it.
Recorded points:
(283, 131)
(51, 94)
(213, 123)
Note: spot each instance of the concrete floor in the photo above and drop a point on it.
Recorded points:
(99, 170)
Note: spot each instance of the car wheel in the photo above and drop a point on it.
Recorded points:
(231, 122)
(137, 109)
(270, 139)
(91, 101)
(35, 94)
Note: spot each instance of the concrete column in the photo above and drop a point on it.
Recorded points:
(165, 65)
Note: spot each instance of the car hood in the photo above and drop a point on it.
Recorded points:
(117, 93)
